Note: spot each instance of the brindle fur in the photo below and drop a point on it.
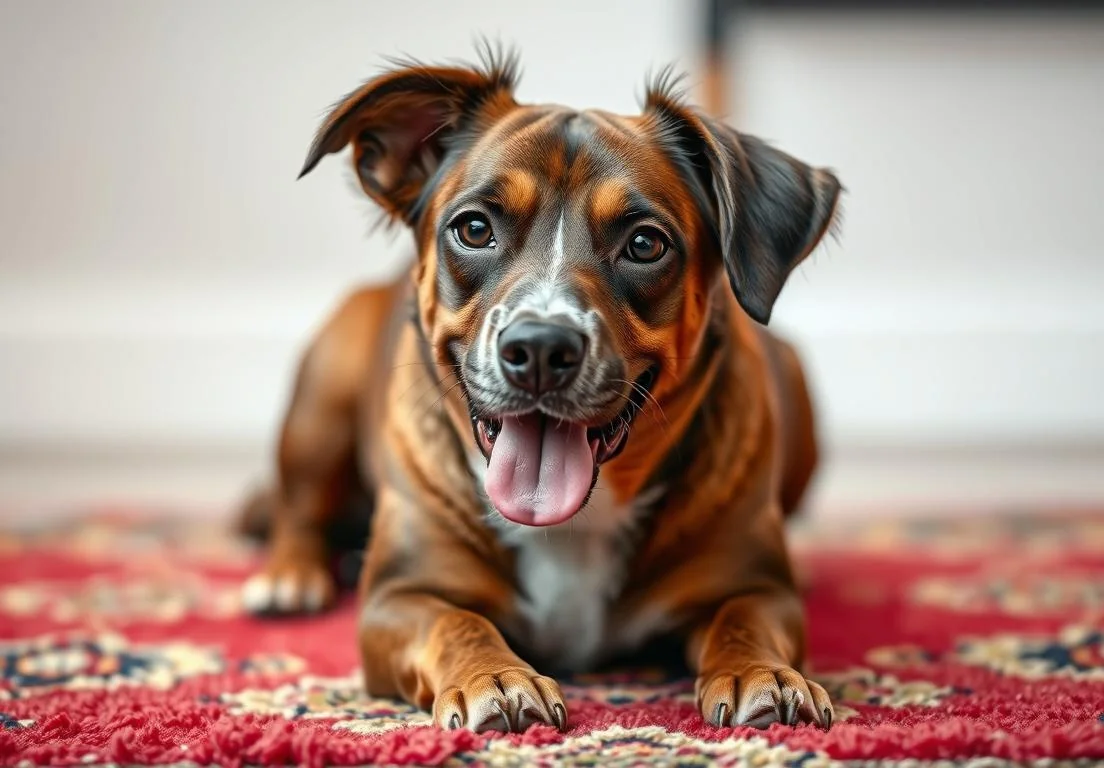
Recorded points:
(724, 448)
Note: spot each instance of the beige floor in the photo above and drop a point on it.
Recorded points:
(855, 483)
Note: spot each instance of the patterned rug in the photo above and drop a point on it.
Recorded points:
(977, 640)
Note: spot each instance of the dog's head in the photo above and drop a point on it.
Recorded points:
(568, 259)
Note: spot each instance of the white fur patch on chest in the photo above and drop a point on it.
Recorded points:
(570, 575)
(568, 578)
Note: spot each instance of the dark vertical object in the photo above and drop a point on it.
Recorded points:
(712, 41)
(716, 40)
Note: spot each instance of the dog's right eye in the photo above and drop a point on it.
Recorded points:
(474, 231)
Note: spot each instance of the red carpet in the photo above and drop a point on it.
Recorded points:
(121, 642)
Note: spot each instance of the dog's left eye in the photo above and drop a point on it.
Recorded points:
(646, 245)
(474, 231)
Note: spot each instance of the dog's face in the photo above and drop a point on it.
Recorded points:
(569, 260)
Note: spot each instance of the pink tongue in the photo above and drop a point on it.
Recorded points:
(540, 470)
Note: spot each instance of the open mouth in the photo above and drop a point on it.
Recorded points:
(540, 469)
(606, 442)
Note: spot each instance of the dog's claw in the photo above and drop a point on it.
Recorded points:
(760, 696)
(560, 716)
(789, 712)
(504, 713)
(510, 701)
(827, 718)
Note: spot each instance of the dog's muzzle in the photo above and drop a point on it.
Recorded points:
(540, 467)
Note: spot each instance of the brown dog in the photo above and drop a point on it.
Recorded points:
(577, 434)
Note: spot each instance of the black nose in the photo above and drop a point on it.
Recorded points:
(540, 357)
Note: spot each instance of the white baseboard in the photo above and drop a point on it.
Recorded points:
(871, 482)
(912, 388)
(119, 367)
(56, 482)
(944, 482)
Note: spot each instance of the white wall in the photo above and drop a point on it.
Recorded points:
(160, 267)
(965, 304)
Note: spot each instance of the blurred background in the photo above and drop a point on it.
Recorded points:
(160, 268)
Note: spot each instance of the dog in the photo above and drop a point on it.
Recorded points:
(571, 427)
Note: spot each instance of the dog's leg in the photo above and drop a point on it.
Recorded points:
(430, 598)
(454, 663)
(317, 459)
(745, 659)
(256, 514)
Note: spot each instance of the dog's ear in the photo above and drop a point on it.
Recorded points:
(770, 210)
(401, 124)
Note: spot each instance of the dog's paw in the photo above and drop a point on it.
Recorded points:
(289, 587)
(509, 701)
(760, 695)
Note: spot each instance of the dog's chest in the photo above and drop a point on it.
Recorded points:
(570, 576)
(568, 581)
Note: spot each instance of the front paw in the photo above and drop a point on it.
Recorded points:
(760, 695)
(510, 700)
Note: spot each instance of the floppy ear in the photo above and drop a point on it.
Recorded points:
(402, 123)
(770, 209)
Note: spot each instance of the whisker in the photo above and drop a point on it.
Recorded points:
(407, 365)
(444, 394)
(422, 380)
(437, 384)
(649, 397)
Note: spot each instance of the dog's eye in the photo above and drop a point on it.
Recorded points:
(646, 245)
(474, 232)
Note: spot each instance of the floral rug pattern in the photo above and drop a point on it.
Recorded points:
(978, 641)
